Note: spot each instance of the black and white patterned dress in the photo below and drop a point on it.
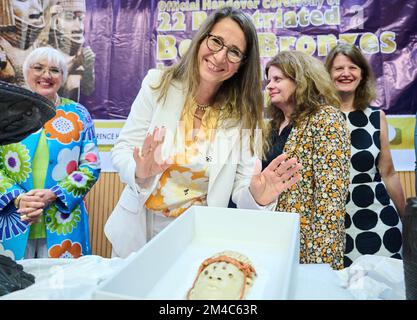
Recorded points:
(372, 223)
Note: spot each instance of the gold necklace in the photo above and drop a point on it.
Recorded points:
(201, 107)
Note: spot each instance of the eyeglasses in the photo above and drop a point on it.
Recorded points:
(39, 69)
(216, 44)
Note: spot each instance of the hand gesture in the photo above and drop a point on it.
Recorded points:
(149, 161)
(278, 176)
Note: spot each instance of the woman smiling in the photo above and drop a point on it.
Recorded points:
(46, 176)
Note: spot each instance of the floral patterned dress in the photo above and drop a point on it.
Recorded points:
(322, 144)
(74, 167)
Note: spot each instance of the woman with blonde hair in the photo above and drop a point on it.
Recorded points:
(305, 122)
(204, 113)
(376, 201)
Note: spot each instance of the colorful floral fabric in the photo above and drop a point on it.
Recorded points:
(65, 250)
(74, 167)
(16, 161)
(65, 127)
(79, 182)
(4, 184)
(322, 145)
(185, 183)
(62, 223)
(67, 163)
(11, 225)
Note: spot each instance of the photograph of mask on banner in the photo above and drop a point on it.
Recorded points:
(21, 23)
(66, 34)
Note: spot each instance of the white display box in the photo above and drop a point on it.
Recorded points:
(166, 266)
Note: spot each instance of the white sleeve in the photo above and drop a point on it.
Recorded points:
(134, 132)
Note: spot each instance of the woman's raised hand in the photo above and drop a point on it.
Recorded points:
(278, 176)
(149, 161)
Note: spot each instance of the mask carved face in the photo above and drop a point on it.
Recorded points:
(225, 276)
(71, 25)
(29, 11)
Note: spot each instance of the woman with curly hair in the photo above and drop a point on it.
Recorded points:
(306, 123)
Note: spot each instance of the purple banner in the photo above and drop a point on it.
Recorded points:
(124, 39)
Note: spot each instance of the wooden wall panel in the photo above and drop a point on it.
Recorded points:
(106, 192)
(101, 200)
(408, 182)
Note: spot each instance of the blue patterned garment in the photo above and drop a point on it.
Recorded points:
(74, 167)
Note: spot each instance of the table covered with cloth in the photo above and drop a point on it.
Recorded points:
(369, 277)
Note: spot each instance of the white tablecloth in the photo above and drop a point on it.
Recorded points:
(369, 277)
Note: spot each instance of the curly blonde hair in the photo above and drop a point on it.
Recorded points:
(314, 88)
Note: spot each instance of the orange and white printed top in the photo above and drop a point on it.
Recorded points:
(185, 182)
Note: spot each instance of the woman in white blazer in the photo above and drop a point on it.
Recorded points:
(190, 137)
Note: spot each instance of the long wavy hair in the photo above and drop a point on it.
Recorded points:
(239, 97)
(365, 92)
(314, 88)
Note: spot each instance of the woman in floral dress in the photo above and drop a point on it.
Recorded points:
(306, 122)
(45, 177)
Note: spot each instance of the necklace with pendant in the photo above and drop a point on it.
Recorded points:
(202, 107)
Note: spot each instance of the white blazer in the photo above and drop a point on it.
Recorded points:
(230, 169)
